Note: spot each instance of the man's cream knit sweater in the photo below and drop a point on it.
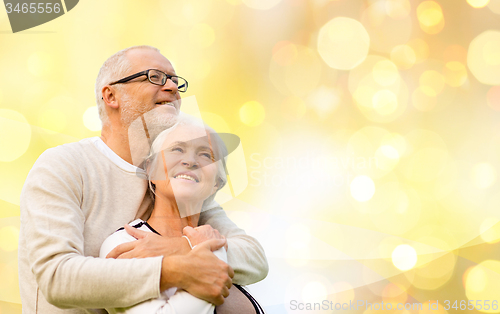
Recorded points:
(73, 198)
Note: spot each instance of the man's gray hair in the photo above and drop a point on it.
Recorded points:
(113, 69)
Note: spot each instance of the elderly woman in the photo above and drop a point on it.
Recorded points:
(185, 170)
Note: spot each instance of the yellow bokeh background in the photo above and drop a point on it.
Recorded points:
(370, 139)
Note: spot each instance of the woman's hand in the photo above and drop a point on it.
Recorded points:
(201, 234)
(148, 244)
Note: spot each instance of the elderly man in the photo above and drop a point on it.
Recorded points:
(77, 194)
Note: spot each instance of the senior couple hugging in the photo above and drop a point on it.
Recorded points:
(121, 225)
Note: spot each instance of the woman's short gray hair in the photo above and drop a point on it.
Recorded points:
(217, 145)
(114, 68)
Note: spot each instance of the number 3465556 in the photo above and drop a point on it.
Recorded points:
(33, 7)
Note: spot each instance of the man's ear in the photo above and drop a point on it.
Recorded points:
(109, 96)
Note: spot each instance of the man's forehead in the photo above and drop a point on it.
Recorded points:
(143, 59)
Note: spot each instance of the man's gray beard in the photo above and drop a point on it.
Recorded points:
(144, 128)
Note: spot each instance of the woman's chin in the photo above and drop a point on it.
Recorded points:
(188, 192)
(188, 198)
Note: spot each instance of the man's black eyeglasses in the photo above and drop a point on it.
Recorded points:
(157, 77)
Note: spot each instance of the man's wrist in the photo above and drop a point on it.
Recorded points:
(189, 242)
(177, 246)
(170, 277)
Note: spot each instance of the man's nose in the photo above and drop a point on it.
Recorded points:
(170, 86)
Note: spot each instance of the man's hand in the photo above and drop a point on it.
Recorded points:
(202, 233)
(199, 272)
(148, 244)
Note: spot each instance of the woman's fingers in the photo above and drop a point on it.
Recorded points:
(122, 248)
(201, 234)
(225, 292)
(136, 233)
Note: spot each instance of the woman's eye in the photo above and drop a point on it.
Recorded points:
(207, 155)
(177, 149)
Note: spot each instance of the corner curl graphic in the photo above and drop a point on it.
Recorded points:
(26, 14)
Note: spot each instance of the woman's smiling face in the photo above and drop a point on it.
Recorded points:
(186, 166)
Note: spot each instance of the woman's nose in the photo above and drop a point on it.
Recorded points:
(189, 161)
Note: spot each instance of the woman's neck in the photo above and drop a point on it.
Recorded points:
(167, 221)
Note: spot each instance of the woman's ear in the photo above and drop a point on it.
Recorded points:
(215, 188)
(146, 165)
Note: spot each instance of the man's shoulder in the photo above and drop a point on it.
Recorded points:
(69, 149)
(66, 152)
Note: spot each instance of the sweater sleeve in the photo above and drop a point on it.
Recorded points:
(181, 302)
(245, 254)
(53, 226)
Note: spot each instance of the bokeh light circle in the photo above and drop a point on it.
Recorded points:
(252, 113)
(483, 283)
(261, 4)
(91, 119)
(293, 108)
(15, 135)
(404, 257)
(324, 101)
(490, 230)
(403, 56)
(397, 9)
(387, 157)
(343, 43)
(478, 3)
(314, 291)
(362, 188)
(431, 82)
(9, 238)
(430, 17)
(483, 175)
(387, 17)
(423, 100)
(385, 102)
(378, 90)
(483, 57)
(435, 268)
(385, 73)
(394, 292)
(455, 73)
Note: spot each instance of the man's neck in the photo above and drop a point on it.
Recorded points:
(117, 141)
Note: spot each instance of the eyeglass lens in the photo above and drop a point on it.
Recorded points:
(160, 78)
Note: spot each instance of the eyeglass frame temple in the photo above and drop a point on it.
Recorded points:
(133, 76)
(146, 72)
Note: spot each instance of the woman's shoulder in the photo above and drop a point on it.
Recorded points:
(121, 236)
